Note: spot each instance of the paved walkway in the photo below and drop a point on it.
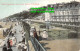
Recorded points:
(61, 45)
(18, 35)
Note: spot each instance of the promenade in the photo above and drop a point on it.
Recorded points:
(18, 36)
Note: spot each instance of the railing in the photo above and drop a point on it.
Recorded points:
(36, 44)
(26, 28)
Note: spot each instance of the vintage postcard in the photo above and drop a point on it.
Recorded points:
(39, 25)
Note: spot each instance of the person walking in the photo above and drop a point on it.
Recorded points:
(25, 47)
(19, 47)
(14, 40)
(9, 49)
(23, 40)
(8, 43)
(10, 33)
(31, 31)
(11, 43)
(4, 48)
(35, 34)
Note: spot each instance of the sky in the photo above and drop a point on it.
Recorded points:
(10, 7)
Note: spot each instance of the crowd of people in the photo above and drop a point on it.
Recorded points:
(6, 49)
(12, 42)
(22, 46)
(36, 34)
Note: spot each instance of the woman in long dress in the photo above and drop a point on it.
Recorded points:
(35, 34)
(44, 34)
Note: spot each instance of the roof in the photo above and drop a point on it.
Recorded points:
(75, 3)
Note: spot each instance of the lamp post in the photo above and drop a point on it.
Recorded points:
(47, 25)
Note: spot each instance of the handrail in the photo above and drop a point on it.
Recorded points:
(33, 44)
(36, 44)
(26, 29)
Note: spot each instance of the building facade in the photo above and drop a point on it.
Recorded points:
(66, 14)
